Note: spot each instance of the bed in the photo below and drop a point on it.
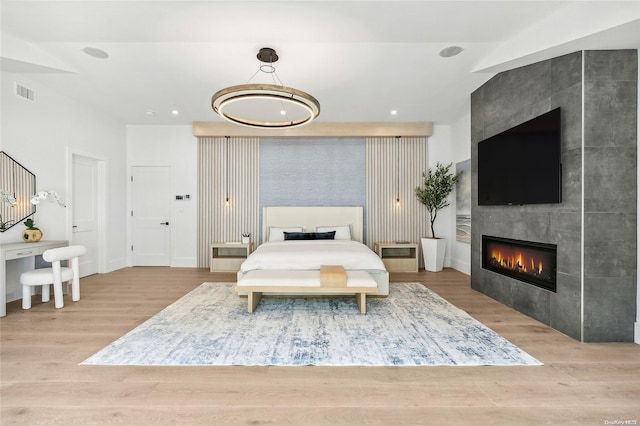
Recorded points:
(295, 264)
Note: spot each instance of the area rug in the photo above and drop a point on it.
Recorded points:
(412, 326)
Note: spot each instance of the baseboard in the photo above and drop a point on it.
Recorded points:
(463, 267)
(116, 264)
(184, 262)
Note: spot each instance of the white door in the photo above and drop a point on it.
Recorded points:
(151, 213)
(85, 212)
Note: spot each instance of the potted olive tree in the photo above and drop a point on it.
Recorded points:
(437, 183)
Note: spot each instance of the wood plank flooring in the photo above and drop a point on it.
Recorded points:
(42, 383)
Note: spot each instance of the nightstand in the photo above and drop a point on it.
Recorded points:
(227, 257)
(398, 257)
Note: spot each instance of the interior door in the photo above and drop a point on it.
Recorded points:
(85, 212)
(151, 213)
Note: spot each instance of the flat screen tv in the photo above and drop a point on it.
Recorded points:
(522, 165)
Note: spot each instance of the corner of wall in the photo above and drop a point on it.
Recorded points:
(461, 266)
(115, 264)
(637, 323)
(460, 258)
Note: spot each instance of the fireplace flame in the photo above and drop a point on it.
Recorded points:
(517, 262)
(534, 263)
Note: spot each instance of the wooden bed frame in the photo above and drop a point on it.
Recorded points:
(309, 218)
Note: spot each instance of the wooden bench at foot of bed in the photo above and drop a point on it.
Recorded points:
(255, 283)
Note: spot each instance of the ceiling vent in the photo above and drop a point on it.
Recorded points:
(25, 92)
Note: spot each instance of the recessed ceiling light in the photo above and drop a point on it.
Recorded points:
(95, 52)
(150, 113)
(394, 112)
(450, 51)
(175, 112)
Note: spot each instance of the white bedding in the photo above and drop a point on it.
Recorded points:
(310, 254)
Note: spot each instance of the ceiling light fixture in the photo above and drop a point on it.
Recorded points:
(450, 51)
(271, 106)
(226, 150)
(398, 139)
(95, 52)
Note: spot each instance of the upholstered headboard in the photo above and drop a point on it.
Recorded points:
(312, 217)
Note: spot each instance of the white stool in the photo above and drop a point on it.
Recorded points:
(54, 275)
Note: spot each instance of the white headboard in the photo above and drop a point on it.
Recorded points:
(311, 217)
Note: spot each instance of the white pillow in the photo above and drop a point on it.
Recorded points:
(342, 232)
(277, 234)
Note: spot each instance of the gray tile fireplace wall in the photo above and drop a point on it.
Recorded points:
(595, 225)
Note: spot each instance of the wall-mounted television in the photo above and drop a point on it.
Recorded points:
(522, 165)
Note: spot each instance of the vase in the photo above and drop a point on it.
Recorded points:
(31, 235)
(245, 240)
(433, 250)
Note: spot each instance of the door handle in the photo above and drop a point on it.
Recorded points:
(164, 223)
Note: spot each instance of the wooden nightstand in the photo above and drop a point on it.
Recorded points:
(398, 257)
(227, 257)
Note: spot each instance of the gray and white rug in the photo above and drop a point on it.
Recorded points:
(412, 326)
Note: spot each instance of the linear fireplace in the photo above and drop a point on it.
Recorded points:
(533, 263)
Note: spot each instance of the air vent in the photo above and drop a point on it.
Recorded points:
(25, 92)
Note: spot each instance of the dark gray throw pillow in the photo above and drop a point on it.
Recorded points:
(310, 235)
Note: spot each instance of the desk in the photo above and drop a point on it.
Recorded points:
(16, 258)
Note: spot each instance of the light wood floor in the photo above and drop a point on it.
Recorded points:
(42, 383)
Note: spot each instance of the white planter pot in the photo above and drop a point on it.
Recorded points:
(433, 253)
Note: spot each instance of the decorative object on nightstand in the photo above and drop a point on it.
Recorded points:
(31, 234)
(227, 257)
(438, 184)
(398, 256)
(246, 237)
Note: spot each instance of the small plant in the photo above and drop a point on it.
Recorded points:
(31, 234)
(29, 223)
(438, 184)
(246, 234)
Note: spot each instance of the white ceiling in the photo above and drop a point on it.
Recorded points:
(360, 59)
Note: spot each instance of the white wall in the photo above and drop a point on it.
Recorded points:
(173, 146)
(441, 151)
(461, 145)
(40, 135)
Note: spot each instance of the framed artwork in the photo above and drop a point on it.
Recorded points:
(463, 202)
